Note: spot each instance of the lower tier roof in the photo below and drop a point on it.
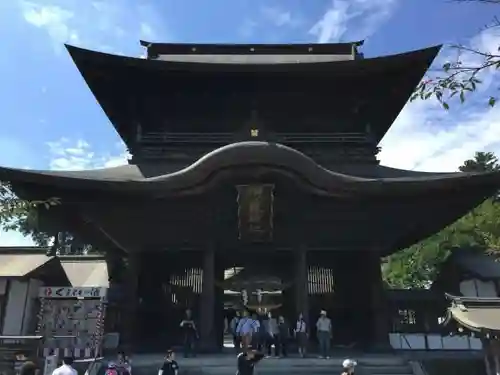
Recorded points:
(143, 207)
(157, 180)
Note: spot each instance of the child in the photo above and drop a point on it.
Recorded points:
(111, 370)
(123, 364)
(170, 366)
(247, 361)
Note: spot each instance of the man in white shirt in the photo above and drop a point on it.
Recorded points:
(324, 334)
(66, 368)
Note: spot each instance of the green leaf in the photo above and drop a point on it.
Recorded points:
(492, 101)
(462, 97)
(445, 105)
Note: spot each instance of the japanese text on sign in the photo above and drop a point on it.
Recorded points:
(72, 292)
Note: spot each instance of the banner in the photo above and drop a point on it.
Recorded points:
(255, 212)
(71, 292)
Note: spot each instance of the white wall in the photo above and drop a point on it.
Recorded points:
(418, 341)
(254, 59)
(20, 311)
(31, 308)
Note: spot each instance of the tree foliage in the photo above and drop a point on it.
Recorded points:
(21, 215)
(418, 265)
(461, 76)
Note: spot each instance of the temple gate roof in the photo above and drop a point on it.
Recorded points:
(475, 314)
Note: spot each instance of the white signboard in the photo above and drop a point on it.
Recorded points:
(71, 292)
(50, 364)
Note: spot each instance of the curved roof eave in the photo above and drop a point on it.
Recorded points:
(475, 313)
(80, 55)
(252, 154)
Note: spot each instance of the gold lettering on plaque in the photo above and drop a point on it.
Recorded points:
(255, 211)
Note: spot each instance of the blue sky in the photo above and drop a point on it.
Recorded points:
(51, 120)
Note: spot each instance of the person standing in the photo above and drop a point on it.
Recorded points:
(111, 369)
(29, 368)
(262, 338)
(246, 362)
(170, 366)
(244, 330)
(255, 331)
(233, 325)
(301, 335)
(324, 333)
(190, 334)
(66, 368)
(272, 334)
(283, 336)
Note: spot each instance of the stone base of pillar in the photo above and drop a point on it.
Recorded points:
(381, 347)
(208, 347)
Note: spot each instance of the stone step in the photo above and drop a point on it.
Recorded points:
(226, 365)
(387, 370)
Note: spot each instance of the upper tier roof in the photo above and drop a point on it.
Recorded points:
(173, 96)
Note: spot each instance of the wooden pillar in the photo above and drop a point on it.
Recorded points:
(379, 303)
(130, 303)
(301, 283)
(207, 307)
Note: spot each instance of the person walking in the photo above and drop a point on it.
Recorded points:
(123, 364)
(111, 369)
(190, 334)
(232, 328)
(66, 368)
(170, 366)
(324, 334)
(301, 335)
(246, 362)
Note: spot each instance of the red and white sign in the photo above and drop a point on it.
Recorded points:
(71, 292)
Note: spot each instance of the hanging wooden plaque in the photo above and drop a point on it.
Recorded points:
(255, 212)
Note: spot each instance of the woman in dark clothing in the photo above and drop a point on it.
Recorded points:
(247, 361)
(282, 339)
(190, 334)
(28, 368)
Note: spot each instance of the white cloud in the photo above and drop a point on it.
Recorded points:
(72, 155)
(53, 18)
(79, 155)
(280, 17)
(426, 137)
(352, 19)
(93, 23)
(66, 154)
